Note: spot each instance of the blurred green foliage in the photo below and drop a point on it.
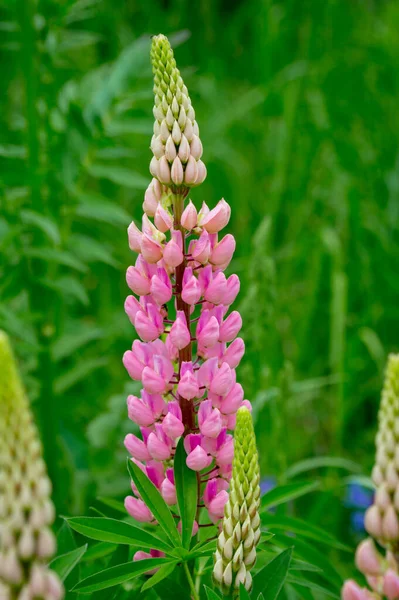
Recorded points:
(297, 106)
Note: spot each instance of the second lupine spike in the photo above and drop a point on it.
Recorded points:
(176, 144)
(382, 518)
(236, 548)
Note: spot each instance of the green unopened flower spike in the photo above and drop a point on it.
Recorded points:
(382, 518)
(175, 144)
(26, 511)
(236, 547)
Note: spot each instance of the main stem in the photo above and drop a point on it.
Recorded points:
(187, 406)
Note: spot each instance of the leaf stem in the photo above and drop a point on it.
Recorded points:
(191, 582)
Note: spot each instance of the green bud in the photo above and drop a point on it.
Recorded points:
(382, 518)
(176, 145)
(236, 548)
(26, 511)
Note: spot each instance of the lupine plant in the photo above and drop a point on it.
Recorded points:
(381, 519)
(195, 480)
(26, 511)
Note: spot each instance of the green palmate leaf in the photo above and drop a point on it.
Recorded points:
(285, 493)
(155, 502)
(244, 594)
(64, 564)
(117, 575)
(270, 579)
(161, 574)
(186, 492)
(303, 528)
(203, 549)
(211, 594)
(116, 532)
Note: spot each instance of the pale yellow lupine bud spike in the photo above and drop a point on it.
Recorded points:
(26, 511)
(382, 518)
(176, 145)
(236, 546)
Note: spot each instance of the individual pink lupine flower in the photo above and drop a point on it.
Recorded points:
(222, 381)
(207, 329)
(391, 585)
(151, 197)
(191, 291)
(138, 510)
(179, 333)
(151, 249)
(188, 385)
(168, 489)
(173, 254)
(202, 213)
(209, 419)
(234, 353)
(223, 251)
(233, 400)
(232, 289)
(189, 217)
(136, 447)
(216, 289)
(138, 281)
(156, 380)
(163, 219)
(161, 287)
(194, 530)
(172, 423)
(158, 444)
(215, 498)
(135, 236)
(197, 458)
(230, 327)
(201, 249)
(139, 411)
(217, 218)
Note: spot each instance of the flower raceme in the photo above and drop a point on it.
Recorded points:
(188, 350)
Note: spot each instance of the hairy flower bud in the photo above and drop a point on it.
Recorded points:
(26, 511)
(236, 548)
(176, 145)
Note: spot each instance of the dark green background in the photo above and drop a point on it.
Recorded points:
(297, 103)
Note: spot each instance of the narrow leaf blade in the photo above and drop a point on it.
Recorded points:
(270, 579)
(187, 493)
(64, 563)
(160, 575)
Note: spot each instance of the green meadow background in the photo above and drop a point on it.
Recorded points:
(297, 103)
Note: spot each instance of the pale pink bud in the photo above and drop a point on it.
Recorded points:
(151, 198)
(138, 510)
(391, 585)
(184, 149)
(367, 558)
(217, 218)
(146, 329)
(46, 545)
(216, 290)
(191, 291)
(351, 591)
(134, 235)
(154, 167)
(138, 283)
(164, 170)
(191, 171)
(196, 147)
(173, 254)
(234, 353)
(136, 447)
(198, 459)
(163, 219)
(223, 252)
(141, 555)
(390, 525)
(37, 581)
(203, 213)
(202, 248)
(188, 384)
(222, 381)
(168, 491)
(170, 149)
(231, 403)
(189, 217)
(209, 419)
(161, 287)
(372, 521)
(176, 172)
(157, 146)
(151, 249)
(179, 333)
(230, 327)
(54, 586)
(201, 172)
(139, 411)
(157, 447)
